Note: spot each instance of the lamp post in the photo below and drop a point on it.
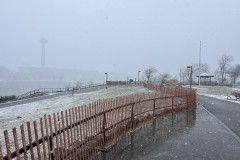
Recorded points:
(106, 79)
(190, 76)
(138, 76)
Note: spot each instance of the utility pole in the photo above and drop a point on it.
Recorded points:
(199, 70)
(190, 76)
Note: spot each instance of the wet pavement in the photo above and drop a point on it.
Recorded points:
(194, 134)
(226, 111)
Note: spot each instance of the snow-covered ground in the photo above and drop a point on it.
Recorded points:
(14, 116)
(219, 92)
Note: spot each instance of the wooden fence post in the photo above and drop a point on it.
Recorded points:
(132, 116)
(16, 143)
(7, 145)
(154, 108)
(23, 142)
(104, 129)
(51, 138)
(30, 140)
(37, 140)
(1, 154)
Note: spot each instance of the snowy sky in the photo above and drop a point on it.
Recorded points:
(118, 35)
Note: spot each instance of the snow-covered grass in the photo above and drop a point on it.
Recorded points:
(219, 92)
(14, 116)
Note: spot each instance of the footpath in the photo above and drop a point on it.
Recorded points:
(195, 134)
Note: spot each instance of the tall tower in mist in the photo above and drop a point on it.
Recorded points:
(43, 41)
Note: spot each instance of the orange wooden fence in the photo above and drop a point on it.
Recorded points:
(82, 132)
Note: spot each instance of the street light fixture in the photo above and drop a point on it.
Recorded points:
(106, 79)
(190, 76)
(138, 76)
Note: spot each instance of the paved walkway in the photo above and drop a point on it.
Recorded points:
(226, 111)
(195, 134)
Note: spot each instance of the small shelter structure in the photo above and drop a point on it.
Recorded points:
(206, 79)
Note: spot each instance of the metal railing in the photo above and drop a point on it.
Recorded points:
(55, 90)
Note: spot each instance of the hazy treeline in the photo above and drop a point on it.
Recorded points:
(225, 73)
(53, 74)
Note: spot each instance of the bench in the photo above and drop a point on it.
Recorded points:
(236, 94)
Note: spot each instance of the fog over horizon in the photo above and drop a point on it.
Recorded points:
(118, 36)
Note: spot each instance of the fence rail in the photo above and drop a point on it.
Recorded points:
(81, 132)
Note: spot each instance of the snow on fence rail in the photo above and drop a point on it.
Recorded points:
(81, 132)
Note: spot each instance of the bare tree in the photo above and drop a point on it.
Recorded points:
(163, 77)
(149, 72)
(183, 74)
(173, 80)
(223, 65)
(204, 68)
(234, 73)
(78, 84)
(217, 75)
